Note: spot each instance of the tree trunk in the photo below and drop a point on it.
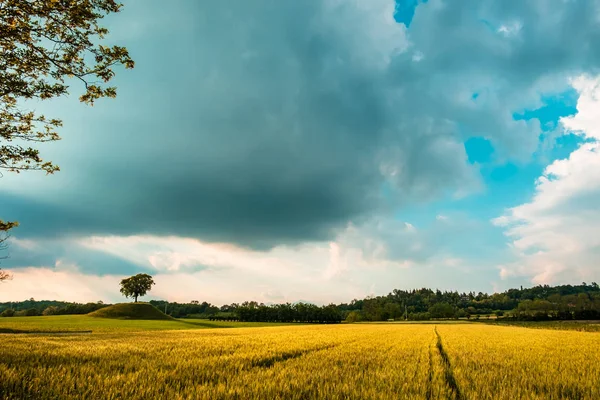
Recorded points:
(135, 296)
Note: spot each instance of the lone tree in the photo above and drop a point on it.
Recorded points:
(44, 45)
(136, 285)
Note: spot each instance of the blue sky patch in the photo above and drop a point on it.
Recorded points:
(405, 10)
(479, 150)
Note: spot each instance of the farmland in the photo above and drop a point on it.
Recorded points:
(65, 323)
(359, 361)
(583, 326)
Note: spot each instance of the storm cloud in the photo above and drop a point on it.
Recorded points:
(263, 123)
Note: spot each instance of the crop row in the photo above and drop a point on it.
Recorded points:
(462, 361)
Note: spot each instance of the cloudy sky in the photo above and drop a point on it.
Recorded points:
(323, 150)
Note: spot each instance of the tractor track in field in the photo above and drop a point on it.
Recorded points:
(8, 331)
(429, 394)
(448, 373)
(271, 361)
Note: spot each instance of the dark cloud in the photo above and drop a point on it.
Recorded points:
(274, 122)
(61, 254)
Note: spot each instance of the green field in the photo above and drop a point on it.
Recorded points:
(182, 359)
(62, 323)
(582, 326)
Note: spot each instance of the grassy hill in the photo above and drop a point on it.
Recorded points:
(131, 311)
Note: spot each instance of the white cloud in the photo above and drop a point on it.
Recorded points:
(58, 284)
(177, 254)
(306, 266)
(410, 227)
(417, 56)
(379, 253)
(510, 29)
(585, 122)
(26, 244)
(555, 236)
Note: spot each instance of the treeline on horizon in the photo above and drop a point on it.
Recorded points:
(538, 303)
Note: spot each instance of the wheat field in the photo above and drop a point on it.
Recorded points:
(360, 361)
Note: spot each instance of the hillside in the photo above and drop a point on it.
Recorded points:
(130, 311)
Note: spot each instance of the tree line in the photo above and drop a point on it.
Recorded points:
(298, 312)
(541, 302)
(252, 311)
(32, 307)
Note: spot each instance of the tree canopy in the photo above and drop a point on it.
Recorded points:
(44, 46)
(137, 285)
(564, 302)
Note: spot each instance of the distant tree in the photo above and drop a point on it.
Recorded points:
(52, 310)
(442, 310)
(9, 312)
(392, 310)
(30, 312)
(419, 316)
(353, 316)
(43, 45)
(137, 285)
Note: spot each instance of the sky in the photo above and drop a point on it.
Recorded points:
(322, 151)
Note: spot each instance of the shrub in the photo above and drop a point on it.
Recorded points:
(52, 310)
(31, 312)
(9, 312)
(419, 316)
(353, 316)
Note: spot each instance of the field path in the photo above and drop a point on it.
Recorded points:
(448, 373)
(429, 392)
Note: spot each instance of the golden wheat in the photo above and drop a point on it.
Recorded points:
(305, 362)
(490, 362)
